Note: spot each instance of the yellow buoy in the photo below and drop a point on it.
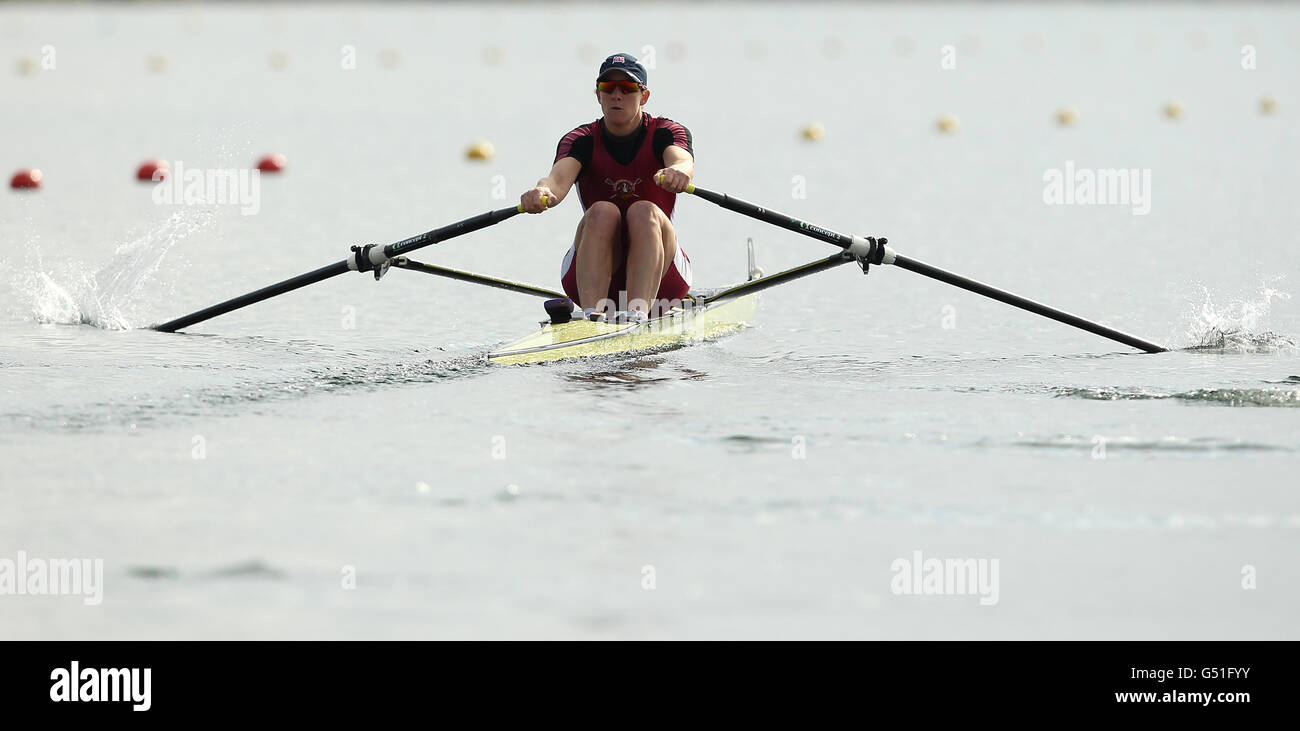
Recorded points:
(157, 63)
(1067, 116)
(813, 132)
(26, 66)
(1174, 110)
(1267, 105)
(480, 151)
(279, 60)
(390, 58)
(948, 123)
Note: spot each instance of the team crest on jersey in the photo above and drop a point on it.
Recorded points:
(624, 188)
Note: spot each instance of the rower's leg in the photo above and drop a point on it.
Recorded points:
(598, 235)
(651, 248)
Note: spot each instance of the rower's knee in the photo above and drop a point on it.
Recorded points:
(603, 215)
(643, 214)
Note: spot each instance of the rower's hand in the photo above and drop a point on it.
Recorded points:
(672, 180)
(537, 200)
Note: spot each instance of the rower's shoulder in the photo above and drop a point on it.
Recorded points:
(668, 122)
(582, 130)
(671, 132)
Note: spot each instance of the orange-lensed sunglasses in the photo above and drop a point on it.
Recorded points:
(627, 87)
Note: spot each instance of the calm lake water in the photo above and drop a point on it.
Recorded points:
(341, 461)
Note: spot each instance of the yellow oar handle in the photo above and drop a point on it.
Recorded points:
(520, 207)
(689, 188)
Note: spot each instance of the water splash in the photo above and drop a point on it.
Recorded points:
(1238, 326)
(110, 297)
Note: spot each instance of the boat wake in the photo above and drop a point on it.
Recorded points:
(142, 409)
(109, 297)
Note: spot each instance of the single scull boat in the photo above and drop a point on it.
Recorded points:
(703, 315)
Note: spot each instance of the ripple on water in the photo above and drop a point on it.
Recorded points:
(1168, 444)
(230, 399)
(1280, 397)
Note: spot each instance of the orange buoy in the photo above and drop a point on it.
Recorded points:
(272, 163)
(26, 178)
(153, 169)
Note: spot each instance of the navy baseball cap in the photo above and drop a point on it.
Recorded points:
(626, 63)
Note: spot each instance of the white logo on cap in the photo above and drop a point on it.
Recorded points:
(619, 59)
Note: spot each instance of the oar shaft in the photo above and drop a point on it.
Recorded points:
(520, 287)
(775, 218)
(288, 285)
(877, 253)
(450, 231)
(789, 275)
(1014, 300)
(370, 257)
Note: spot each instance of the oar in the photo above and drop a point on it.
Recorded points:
(402, 262)
(364, 259)
(871, 251)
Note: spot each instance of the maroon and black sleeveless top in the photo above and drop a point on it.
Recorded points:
(621, 169)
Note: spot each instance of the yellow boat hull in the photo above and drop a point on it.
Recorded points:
(584, 339)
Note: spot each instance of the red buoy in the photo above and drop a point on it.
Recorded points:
(26, 178)
(153, 169)
(272, 163)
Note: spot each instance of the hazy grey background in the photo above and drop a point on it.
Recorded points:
(769, 479)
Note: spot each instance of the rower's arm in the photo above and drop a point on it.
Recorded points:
(678, 171)
(679, 159)
(555, 186)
